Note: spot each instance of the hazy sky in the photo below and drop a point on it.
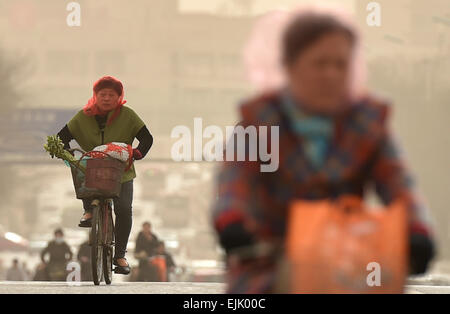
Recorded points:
(259, 6)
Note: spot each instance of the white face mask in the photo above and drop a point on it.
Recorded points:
(59, 240)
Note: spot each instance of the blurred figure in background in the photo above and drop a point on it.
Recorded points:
(146, 240)
(15, 273)
(59, 255)
(146, 245)
(40, 273)
(333, 141)
(26, 271)
(2, 271)
(84, 258)
(170, 264)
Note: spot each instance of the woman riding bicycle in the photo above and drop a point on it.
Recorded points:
(105, 119)
(332, 142)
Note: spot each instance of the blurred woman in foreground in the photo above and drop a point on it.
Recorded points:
(334, 140)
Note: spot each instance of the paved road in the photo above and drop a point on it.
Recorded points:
(422, 289)
(428, 284)
(119, 288)
(154, 288)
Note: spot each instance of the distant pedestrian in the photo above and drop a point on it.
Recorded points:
(2, 271)
(15, 273)
(40, 273)
(59, 255)
(26, 271)
(146, 245)
(147, 242)
(170, 264)
(84, 258)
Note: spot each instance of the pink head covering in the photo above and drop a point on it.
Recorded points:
(262, 53)
(91, 108)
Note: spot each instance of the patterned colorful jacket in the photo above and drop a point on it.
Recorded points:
(362, 155)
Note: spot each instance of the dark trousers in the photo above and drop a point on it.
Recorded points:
(123, 212)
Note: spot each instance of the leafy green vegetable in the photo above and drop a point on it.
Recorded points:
(55, 148)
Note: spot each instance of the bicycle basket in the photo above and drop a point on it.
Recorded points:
(102, 178)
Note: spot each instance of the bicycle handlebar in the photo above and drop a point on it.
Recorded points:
(84, 154)
(77, 150)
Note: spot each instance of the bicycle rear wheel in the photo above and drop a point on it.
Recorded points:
(97, 244)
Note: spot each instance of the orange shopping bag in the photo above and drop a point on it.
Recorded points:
(345, 247)
(159, 262)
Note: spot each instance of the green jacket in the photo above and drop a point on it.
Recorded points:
(86, 132)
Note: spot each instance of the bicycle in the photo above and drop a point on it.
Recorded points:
(101, 183)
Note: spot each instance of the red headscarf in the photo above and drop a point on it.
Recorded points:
(91, 108)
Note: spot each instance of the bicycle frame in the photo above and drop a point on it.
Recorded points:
(101, 237)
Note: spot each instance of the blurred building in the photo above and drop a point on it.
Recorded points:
(178, 65)
(416, 24)
(409, 62)
(174, 66)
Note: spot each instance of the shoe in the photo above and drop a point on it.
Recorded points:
(85, 222)
(123, 270)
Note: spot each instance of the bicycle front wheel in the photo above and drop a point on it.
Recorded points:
(97, 245)
(108, 252)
